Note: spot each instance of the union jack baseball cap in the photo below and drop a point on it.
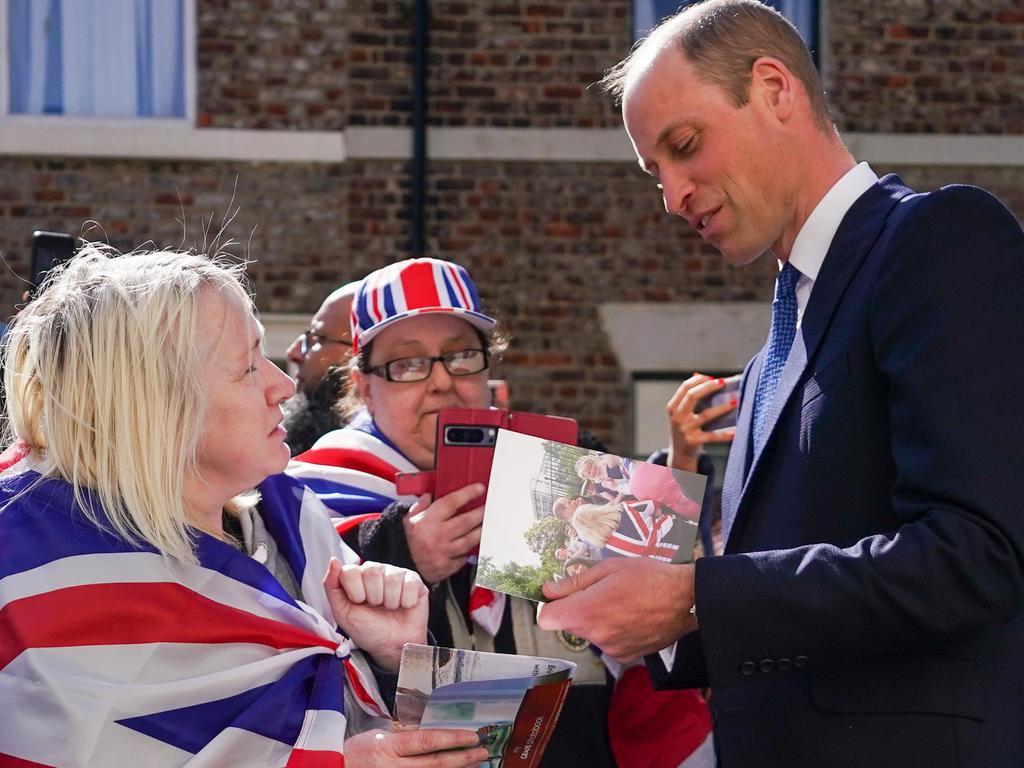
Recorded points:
(414, 287)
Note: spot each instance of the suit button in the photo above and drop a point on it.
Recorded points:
(800, 661)
(783, 664)
(766, 665)
(748, 668)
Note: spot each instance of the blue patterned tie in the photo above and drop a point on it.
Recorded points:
(780, 339)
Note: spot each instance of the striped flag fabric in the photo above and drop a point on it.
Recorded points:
(352, 471)
(112, 653)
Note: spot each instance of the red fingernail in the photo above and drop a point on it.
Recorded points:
(734, 402)
(720, 381)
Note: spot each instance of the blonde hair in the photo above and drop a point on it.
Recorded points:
(722, 39)
(596, 522)
(102, 373)
(590, 460)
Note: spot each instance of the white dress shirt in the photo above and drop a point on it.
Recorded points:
(815, 236)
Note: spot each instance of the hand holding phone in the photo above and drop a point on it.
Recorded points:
(724, 401)
(442, 532)
(702, 410)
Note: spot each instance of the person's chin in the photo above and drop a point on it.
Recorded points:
(279, 454)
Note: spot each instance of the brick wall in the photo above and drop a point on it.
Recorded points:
(271, 64)
(524, 62)
(953, 66)
(325, 64)
(920, 66)
(495, 63)
(291, 218)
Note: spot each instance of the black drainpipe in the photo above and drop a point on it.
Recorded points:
(418, 172)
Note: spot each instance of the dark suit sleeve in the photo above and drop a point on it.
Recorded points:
(946, 325)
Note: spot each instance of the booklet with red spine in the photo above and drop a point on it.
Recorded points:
(512, 702)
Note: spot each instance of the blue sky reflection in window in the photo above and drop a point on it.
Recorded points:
(803, 14)
(105, 58)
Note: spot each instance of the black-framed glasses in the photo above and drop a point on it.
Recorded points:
(405, 370)
(307, 339)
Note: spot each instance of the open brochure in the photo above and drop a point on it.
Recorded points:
(512, 702)
(554, 509)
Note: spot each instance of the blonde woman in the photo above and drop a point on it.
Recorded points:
(149, 610)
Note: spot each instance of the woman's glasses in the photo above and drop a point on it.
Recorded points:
(405, 370)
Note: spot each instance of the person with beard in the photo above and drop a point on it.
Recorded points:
(307, 417)
(319, 357)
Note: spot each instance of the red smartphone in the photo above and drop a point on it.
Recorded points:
(465, 447)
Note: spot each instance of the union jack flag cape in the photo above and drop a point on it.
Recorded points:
(352, 471)
(112, 654)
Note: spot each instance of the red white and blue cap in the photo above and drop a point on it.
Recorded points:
(414, 287)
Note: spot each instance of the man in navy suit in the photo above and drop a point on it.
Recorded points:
(867, 611)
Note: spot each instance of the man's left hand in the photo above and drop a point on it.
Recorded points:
(628, 607)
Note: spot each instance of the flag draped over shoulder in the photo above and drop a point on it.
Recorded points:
(112, 654)
(352, 471)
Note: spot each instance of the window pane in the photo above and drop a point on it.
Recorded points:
(647, 14)
(113, 58)
(803, 14)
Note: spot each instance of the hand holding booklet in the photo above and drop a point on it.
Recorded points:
(512, 702)
(554, 509)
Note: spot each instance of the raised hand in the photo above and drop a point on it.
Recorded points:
(380, 607)
(686, 428)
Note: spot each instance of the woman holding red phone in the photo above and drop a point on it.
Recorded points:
(422, 343)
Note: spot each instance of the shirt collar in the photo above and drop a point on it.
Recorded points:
(815, 236)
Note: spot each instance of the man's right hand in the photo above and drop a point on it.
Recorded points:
(440, 537)
(626, 606)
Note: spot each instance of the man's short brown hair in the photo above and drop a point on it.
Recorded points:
(722, 39)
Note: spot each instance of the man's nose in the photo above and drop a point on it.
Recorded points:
(675, 192)
(294, 352)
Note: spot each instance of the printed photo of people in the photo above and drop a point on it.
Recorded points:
(554, 509)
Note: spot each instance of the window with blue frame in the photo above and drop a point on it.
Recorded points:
(96, 58)
(803, 14)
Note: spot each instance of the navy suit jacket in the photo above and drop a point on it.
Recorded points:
(867, 611)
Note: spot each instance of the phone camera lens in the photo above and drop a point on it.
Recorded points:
(464, 435)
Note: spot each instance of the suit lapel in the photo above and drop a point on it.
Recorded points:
(854, 239)
(739, 453)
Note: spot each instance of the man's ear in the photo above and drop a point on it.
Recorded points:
(362, 382)
(774, 87)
